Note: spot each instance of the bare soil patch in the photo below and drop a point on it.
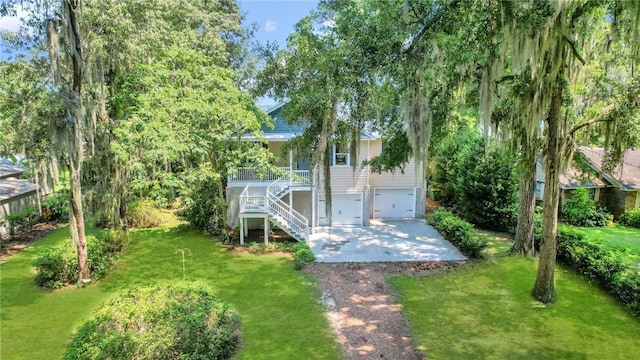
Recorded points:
(365, 317)
(13, 245)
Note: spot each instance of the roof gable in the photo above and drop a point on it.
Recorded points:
(626, 174)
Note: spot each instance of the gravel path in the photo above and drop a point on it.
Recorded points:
(365, 317)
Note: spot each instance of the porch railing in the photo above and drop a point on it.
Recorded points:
(301, 177)
(250, 174)
(252, 203)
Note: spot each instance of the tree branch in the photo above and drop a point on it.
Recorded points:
(605, 111)
(436, 15)
(506, 78)
(574, 50)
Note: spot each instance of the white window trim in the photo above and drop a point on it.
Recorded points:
(347, 157)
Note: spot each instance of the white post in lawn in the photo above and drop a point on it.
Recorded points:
(266, 230)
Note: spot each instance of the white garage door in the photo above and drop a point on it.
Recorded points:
(394, 203)
(346, 209)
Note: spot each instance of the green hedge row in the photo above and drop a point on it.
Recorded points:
(300, 251)
(59, 265)
(630, 217)
(459, 232)
(605, 266)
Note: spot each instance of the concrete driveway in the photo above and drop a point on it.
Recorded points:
(384, 240)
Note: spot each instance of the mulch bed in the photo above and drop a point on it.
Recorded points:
(13, 245)
(362, 312)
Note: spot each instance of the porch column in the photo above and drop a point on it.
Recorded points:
(266, 230)
(291, 159)
(246, 227)
(314, 202)
(242, 231)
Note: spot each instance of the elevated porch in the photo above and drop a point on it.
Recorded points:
(268, 195)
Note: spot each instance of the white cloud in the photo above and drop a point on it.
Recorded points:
(271, 26)
(9, 23)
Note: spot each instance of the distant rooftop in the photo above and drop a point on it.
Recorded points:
(627, 173)
(9, 168)
(12, 187)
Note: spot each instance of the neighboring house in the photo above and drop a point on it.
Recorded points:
(618, 190)
(570, 180)
(623, 191)
(294, 200)
(15, 193)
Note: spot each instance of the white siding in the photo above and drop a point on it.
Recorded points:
(346, 179)
(410, 177)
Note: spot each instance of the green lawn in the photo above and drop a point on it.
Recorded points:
(281, 316)
(485, 312)
(621, 237)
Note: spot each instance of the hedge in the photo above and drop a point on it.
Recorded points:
(459, 232)
(59, 265)
(605, 266)
(159, 322)
(630, 217)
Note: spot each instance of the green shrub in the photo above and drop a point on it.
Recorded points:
(201, 206)
(487, 187)
(143, 214)
(630, 217)
(580, 210)
(626, 286)
(605, 266)
(160, 322)
(55, 267)
(301, 252)
(302, 256)
(459, 232)
(59, 265)
(20, 220)
(56, 206)
(447, 155)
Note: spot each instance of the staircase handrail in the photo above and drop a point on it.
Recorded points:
(283, 209)
(293, 219)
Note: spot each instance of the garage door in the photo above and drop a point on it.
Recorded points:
(346, 209)
(394, 203)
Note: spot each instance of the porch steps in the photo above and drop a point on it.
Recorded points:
(283, 215)
(279, 212)
(293, 231)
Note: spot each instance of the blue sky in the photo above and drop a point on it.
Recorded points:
(275, 19)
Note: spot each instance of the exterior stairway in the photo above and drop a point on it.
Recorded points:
(278, 211)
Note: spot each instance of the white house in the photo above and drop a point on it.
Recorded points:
(293, 197)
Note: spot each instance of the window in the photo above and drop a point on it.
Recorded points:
(341, 155)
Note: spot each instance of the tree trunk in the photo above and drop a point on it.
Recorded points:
(543, 289)
(523, 243)
(74, 141)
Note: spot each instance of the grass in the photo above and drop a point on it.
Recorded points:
(485, 312)
(624, 238)
(281, 316)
